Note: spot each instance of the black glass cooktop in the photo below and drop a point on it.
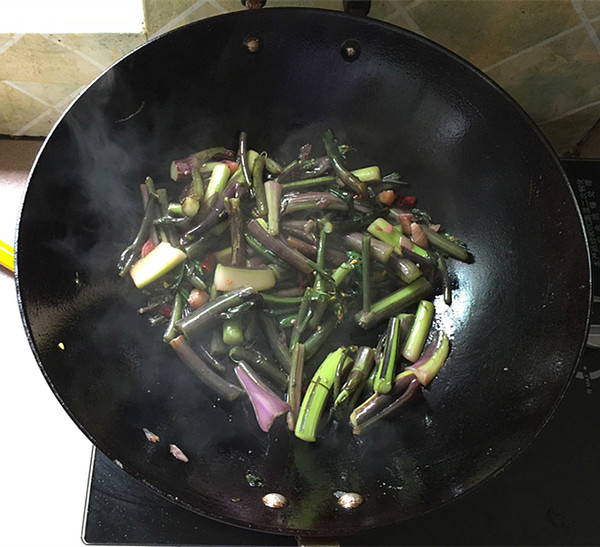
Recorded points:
(549, 496)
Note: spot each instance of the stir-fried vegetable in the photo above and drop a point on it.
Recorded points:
(263, 274)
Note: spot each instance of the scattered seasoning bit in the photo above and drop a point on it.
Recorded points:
(166, 310)
(61, 346)
(387, 197)
(254, 481)
(176, 451)
(274, 500)
(150, 436)
(208, 264)
(147, 247)
(406, 201)
(197, 298)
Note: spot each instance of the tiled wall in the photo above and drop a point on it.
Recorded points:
(545, 53)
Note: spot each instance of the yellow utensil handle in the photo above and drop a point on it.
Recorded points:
(7, 256)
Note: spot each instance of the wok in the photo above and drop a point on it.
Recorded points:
(475, 160)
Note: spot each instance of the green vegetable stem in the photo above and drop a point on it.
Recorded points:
(337, 161)
(413, 346)
(316, 395)
(363, 364)
(395, 303)
(213, 380)
(209, 314)
(259, 186)
(294, 391)
(398, 329)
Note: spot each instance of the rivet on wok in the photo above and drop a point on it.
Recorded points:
(350, 50)
(350, 500)
(274, 500)
(252, 44)
(254, 4)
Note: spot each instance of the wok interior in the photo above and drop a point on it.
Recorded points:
(475, 162)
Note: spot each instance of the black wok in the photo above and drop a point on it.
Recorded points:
(475, 160)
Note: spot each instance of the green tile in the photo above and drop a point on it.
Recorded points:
(38, 59)
(591, 8)
(485, 32)
(42, 125)
(159, 13)
(6, 39)
(59, 95)
(394, 12)
(565, 134)
(555, 78)
(231, 5)
(17, 109)
(103, 48)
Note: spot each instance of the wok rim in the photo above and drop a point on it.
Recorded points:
(515, 106)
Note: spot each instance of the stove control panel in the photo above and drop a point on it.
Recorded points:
(584, 176)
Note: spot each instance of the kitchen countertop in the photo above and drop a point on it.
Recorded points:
(45, 458)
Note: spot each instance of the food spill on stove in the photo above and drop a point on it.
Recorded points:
(302, 288)
(178, 453)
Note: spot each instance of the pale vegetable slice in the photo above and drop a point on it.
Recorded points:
(415, 341)
(162, 259)
(218, 180)
(228, 278)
